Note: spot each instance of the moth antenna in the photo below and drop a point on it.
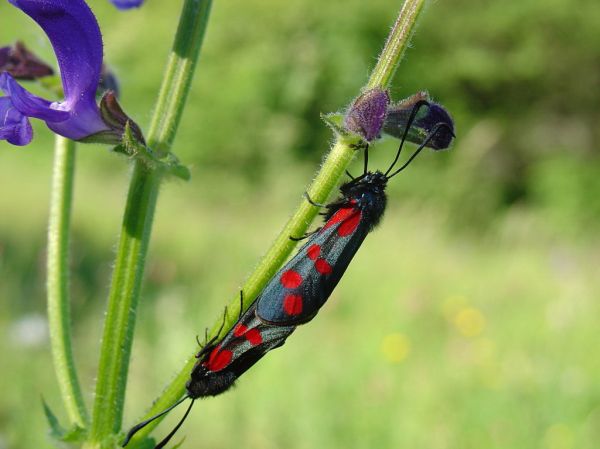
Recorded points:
(143, 424)
(413, 114)
(430, 136)
(241, 304)
(366, 160)
(350, 175)
(166, 439)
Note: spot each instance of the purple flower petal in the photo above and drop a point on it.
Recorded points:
(75, 37)
(127, 4)
(14, 126)
(28, 104)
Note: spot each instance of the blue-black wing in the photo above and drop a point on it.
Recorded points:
(303, 285)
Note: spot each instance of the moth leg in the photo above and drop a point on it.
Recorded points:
(309, 199)
(305, 236)
(209, 344)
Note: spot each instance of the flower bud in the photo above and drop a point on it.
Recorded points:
(367, 114)
(428, 116)
(22, 64)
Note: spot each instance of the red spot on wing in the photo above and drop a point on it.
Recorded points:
(323, 266)
(292, 304)
(313, 252)
(349, 225)
(253, 336)
(240, 330)
(339, 216)
(219, 359)
(291, 279)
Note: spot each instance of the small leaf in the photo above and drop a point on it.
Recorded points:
(56, 430)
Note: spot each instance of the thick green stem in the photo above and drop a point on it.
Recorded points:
(57, 283)
(137, 225)
(122, 302)
(338, 159)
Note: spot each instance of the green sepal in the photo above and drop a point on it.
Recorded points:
(133, 148)
(335, 121)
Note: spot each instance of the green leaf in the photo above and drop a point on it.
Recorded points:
(56, 430)
(73, 435)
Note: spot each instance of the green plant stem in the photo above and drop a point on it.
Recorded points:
(137, 225)
(122, 302)
(396, 44)
(179, 74)
(57, 283)
(338, 159)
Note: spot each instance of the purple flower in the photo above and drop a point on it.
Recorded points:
(75, 36)
(127, 4)
(14, 126)
(429, 115)
(367, 113)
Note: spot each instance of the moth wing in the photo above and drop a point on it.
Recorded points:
(246, 343)
(297, 292)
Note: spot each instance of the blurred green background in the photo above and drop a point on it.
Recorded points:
(469, 319)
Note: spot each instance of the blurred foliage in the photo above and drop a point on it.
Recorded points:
(468, 320)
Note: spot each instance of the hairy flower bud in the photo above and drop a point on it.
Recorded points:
(428, 116)
(367, 114)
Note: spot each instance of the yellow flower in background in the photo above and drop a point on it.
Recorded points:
(395, 347)
(470, 322)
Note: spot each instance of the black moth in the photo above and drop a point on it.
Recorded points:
(296, 293)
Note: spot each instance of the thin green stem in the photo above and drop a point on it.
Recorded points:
(179, 74)
(137, 226)
(330, 173)
(396, 44)
(57, 283)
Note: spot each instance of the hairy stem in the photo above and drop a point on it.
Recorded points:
(330, 173)
(178, 76)
(137, 226)
(396, 44)
(57, 283)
